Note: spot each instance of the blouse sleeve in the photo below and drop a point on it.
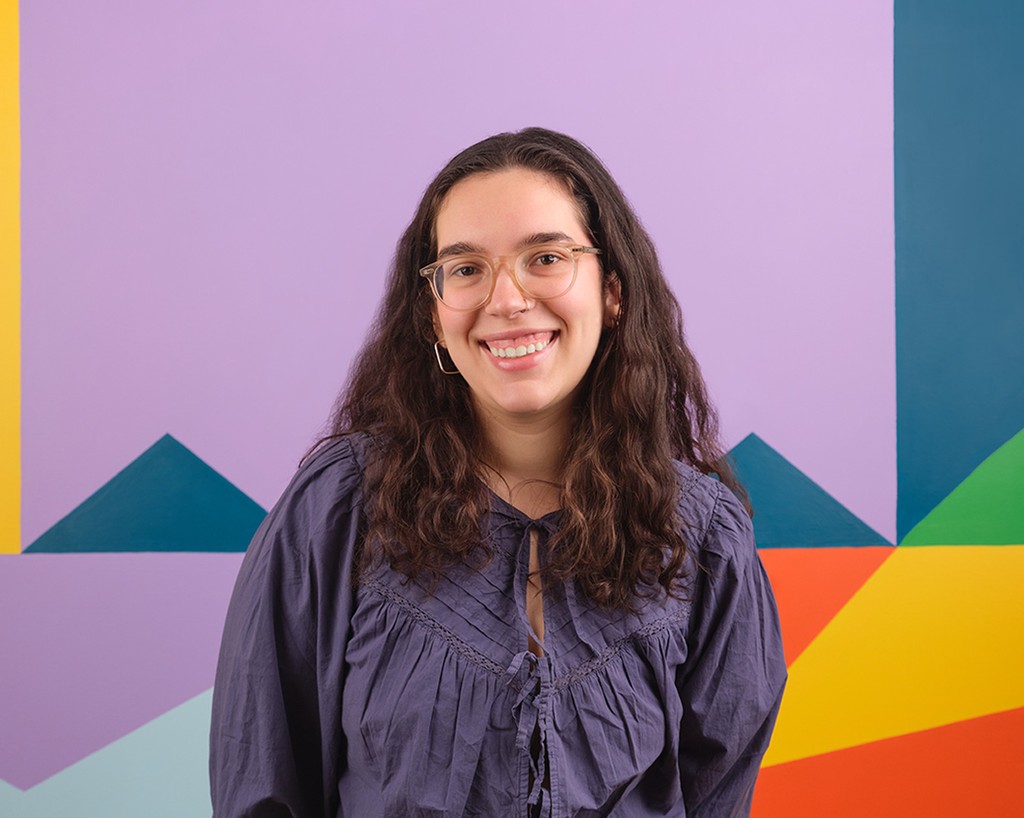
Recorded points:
(276, 750)
(732, 681)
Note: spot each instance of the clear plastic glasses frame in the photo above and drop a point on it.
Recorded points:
(466, 281)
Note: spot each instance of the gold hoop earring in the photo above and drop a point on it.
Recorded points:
(440, 364)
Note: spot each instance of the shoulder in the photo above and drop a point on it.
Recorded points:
(334, 468)
(716, 523)
(325, 491)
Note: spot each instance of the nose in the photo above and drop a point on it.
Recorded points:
(506, 297)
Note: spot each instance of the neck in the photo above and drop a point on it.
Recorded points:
(525, 459)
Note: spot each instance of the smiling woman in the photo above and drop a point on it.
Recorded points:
(516, 580)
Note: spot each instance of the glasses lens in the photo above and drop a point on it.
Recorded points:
(546, 271)
(463, 282)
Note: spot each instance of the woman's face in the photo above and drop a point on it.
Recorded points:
(499, 214)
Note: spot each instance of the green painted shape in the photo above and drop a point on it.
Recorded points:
(987, 508)
(790, 509)
(157, 771)
(167, 499)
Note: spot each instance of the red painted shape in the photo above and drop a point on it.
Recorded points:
(971, 768)
(812, 584)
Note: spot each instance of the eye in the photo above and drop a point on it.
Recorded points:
(547, 260)
(462, 269)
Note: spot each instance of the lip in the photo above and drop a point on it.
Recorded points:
(515, 333)
(518, 364)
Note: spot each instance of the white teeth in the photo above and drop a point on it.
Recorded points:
(517, 352)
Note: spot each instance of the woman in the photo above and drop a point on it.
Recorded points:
(507, 585)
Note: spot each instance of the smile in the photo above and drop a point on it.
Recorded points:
(519, 347)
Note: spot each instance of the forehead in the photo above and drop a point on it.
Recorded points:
(500, 207)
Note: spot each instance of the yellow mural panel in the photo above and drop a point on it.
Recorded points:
(935, 636)
(10, 284)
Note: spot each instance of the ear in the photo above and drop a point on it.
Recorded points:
(612, 300)
(438, 332)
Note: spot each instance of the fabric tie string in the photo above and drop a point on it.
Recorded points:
(533, 674)
(528, 711)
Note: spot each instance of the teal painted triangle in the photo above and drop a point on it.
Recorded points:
(167, 499)
(987, 508)
(158, 771)
(790, 509)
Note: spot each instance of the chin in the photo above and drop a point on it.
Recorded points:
(523, 402)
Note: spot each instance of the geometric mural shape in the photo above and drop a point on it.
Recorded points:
(970, 768)
(167, 499)
(811, 585)
(958, 74)
(95, 645)
(935, 636)
(790, 509)
(987, 508)
(157, 771)
(10, 284)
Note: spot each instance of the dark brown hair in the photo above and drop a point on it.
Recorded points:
(643, 404)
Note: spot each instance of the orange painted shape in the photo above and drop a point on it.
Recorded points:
(969, 768)
(812, 584)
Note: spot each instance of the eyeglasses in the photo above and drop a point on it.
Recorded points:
(466, 281)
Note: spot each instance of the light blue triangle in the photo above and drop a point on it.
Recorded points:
(156, 771)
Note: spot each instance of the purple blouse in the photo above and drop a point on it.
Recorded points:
(386, 700)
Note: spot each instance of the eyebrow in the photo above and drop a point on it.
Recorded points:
(460, 247)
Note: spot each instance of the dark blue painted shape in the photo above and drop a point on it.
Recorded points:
(167, 499)
(790, 509)
(959, 165)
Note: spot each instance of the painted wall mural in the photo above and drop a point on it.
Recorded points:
(197, 204)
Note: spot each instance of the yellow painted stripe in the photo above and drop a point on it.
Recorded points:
(10, 283)
(934, 637)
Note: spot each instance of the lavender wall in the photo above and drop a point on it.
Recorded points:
(212, 193)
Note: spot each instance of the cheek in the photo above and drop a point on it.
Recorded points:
(452, 327)
(589, 312)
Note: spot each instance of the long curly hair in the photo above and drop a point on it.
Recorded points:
(642, 405)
